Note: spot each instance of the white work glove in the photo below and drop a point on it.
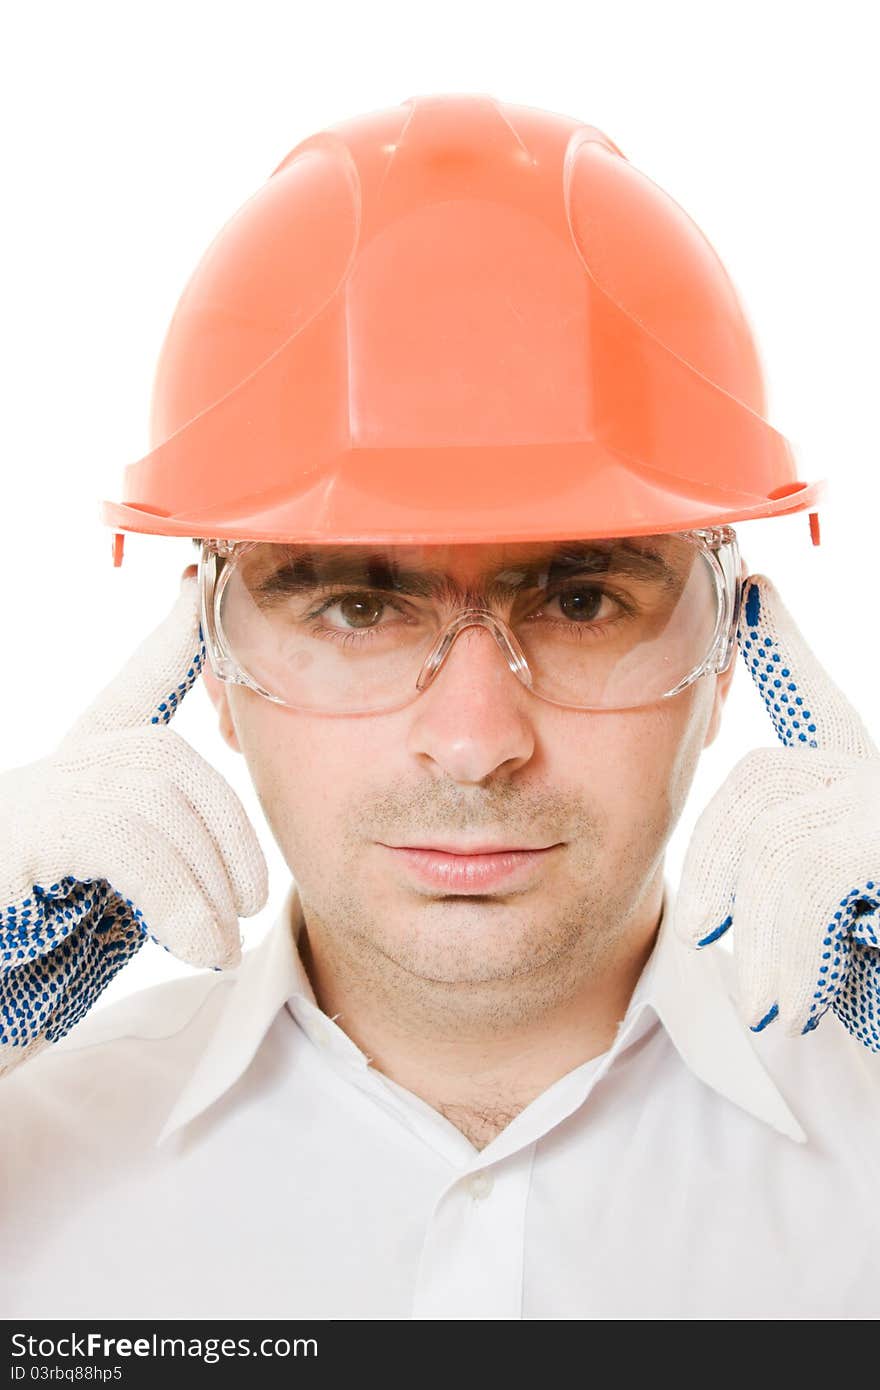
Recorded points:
(123, 833)
(787, 852)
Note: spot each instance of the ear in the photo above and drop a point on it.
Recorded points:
(722, 684)
(218, 692)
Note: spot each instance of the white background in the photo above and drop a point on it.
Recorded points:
(132, 133)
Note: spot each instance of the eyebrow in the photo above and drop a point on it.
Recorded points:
(343, 565)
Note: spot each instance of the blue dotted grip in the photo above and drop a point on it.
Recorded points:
(775, 682)
(849, 977)
(61, 946)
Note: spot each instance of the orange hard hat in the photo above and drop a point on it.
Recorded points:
(457, 320)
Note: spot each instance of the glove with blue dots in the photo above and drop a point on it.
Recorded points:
(787, 852)
(123, 833)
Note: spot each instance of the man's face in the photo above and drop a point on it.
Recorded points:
(476, 757)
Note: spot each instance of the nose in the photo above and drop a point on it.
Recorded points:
(472, 720)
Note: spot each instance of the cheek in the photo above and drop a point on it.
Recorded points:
(636, 766)
(305, 769)
(666, 750)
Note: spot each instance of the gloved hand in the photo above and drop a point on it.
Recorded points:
(124, 832)
(788, 850)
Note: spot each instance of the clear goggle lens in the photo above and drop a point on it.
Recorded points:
(595, 624)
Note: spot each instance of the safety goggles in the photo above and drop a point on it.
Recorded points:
(611, 623)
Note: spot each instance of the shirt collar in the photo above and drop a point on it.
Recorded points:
(685, 988)
(689, 991)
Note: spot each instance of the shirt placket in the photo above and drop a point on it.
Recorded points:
(471, 1265)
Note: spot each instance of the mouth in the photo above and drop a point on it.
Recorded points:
(473, 870)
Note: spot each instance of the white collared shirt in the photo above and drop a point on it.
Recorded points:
(217, 1147)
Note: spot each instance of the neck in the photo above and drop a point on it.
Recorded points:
(480, 1053)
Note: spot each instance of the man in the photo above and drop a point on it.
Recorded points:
(459, 410)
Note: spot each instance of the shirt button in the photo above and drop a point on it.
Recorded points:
(480, 1184)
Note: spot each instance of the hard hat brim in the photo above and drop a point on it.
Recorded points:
(606, 495)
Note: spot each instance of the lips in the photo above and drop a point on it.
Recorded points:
(474, 849)
(474, 871)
